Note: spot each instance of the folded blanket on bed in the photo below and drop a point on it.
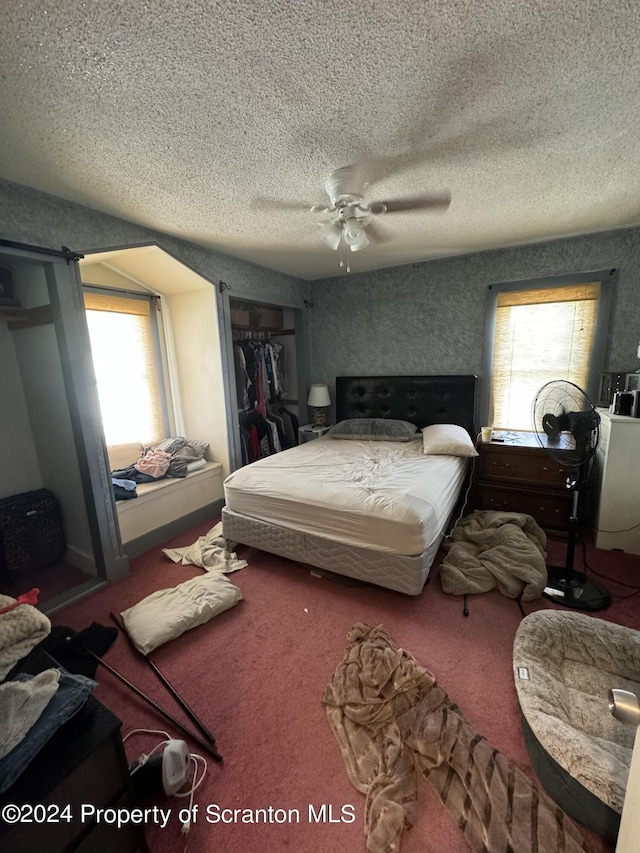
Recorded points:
(210, 552)
(21, 629)
(393, 721)
(496, 549)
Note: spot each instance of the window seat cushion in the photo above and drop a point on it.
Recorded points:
(165, 500)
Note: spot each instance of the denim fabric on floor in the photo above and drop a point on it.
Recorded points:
(71, 695)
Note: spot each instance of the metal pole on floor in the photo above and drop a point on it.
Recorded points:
(183, 704)
(196, 738)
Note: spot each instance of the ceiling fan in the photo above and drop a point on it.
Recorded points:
(348, 219)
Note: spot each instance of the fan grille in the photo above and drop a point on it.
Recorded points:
(566, 423)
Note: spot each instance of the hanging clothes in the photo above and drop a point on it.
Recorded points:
(266, 426)
(260, 374)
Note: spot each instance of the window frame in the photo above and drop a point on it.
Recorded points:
(157, 330)
(607, 280)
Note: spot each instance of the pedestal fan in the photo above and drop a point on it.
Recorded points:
(567, 427)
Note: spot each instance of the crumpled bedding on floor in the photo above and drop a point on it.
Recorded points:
(211, 552)
(393, 721)
(491, 549)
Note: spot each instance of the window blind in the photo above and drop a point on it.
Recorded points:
(125, 363)
(540, 335)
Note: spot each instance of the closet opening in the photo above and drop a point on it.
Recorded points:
(268, 373)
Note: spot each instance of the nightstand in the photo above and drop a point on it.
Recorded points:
(517, 475)
(308, 432)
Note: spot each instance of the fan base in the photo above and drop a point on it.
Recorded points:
(573, 589)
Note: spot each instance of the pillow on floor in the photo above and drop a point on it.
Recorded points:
(168, 613)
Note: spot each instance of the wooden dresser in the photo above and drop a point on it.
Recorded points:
(517, 475)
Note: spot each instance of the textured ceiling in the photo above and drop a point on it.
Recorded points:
(197, 118)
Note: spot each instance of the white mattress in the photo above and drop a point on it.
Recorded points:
(384, 495)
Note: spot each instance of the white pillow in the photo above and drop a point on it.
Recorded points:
(447, 440)
(168, 613)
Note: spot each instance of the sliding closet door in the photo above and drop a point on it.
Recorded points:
(75, 353)
(51, 429)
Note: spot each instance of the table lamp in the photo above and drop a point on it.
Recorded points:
(319, 400)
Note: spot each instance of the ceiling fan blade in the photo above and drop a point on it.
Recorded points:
(277, 204)
(430, 201)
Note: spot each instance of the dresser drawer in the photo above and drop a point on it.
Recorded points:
(550, 509)
(522, 466)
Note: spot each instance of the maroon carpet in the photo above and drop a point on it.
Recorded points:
(256, 673)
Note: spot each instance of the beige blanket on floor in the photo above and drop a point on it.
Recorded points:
(393, 721)
(496, 549)
(211, 552)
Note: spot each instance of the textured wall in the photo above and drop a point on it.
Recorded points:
(419, 318)
(29, 216)
(429, 317)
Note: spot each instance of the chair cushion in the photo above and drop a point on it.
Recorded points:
(572, 661)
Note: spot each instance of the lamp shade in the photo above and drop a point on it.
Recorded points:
(332, 235)
(354, 235)
(319, 396)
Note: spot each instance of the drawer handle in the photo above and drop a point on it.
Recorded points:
(498, 503)
(506, 465)
(555, 470)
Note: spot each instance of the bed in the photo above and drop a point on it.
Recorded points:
(374, 511)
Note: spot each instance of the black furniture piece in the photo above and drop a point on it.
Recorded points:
(422, 400)
(83, 763)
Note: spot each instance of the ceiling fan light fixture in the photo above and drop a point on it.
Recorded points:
(354, 235)
(332, 235)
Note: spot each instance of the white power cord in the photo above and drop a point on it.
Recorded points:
(144, 757)
(194, 757)
(464, 503)
(195, 784)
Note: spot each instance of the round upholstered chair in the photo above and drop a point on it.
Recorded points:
(565, 663)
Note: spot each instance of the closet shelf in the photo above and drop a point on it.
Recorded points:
(272, 330)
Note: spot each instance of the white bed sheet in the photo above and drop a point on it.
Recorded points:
(385, 495)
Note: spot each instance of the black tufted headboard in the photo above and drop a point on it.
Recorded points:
(423, 400)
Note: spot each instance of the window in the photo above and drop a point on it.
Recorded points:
(126, 358)
(541, 334)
